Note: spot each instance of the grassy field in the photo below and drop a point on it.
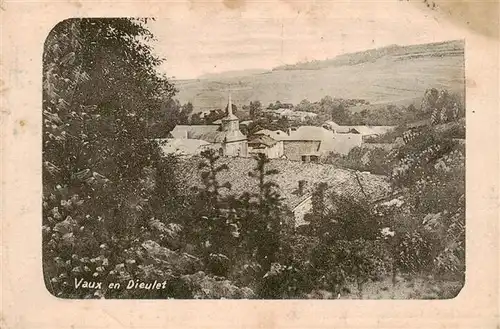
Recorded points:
(397, 77)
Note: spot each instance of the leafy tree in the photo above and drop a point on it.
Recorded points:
(255, 109)
(99, 87)
(185, 113)
(306, 106)
(429, 101)
(215, 115)
(319, 216)
(164, 120)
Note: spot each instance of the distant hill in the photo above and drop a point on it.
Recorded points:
(393, 74)
(440, 49)
(232, 74)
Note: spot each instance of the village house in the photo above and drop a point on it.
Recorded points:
(309, 143)
(275, 134)
(272, 148)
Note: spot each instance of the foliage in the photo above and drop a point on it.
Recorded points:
(374, 160)
(211, 227)
(268, 221)
(110, 200)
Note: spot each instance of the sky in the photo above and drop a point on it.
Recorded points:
(206, 39)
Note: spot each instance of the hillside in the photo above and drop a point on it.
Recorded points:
(394, 74)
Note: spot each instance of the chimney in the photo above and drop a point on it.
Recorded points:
(289, 131)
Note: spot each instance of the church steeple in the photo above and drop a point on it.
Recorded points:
(230, 115)
(235, 143)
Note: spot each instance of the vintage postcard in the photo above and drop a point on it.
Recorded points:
(314, 152)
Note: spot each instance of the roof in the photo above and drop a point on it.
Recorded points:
(209, 133)
(310, 133)
(182, 146)
(192, 131)
(290, 173)
(211, 136)
(373, 130)
(230, 117)
(363, 130)
(331, 124)
(274, 134)
(263, 139)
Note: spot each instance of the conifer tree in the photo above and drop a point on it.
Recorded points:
(269, 218)
(213, 227)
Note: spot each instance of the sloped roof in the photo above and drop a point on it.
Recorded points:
(263, 139)
(211, 136)
(274, 134)
(363, 130)
(208, 133)
(331, 124)
(290, 173)
(310, 133)
(373, 130)
(192, 131)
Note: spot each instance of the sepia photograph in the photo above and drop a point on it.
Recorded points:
(253, 159)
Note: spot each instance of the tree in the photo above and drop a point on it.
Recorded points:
(255, 109)
(186, 111)
(212, 226)
(163, 121)
(269, 220)
(100, 86)
(429, 100)
(349, 249)
(306, 106)
(318, 218)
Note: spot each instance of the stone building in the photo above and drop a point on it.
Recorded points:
(272, 148)
(226, 138)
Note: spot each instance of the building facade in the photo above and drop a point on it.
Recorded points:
(272, 148)
(226, 138)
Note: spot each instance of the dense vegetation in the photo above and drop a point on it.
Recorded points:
(115, 212)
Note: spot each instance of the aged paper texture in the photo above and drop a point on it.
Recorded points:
(241, 164)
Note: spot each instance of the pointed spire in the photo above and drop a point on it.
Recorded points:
(229, 105)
